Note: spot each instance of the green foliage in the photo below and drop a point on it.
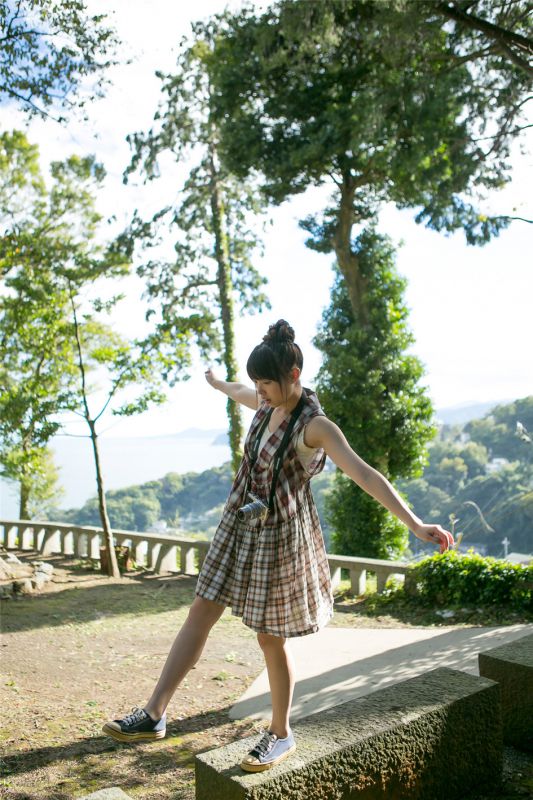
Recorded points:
(58, 349)
(370, 387)
(453, 579)
(213, 217)
(172, 497)
(49, 50)
(490, 505)
(497, 431)
(34, 468)
(377, 97)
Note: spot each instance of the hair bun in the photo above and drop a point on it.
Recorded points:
(279, 333)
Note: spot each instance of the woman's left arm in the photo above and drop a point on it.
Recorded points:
(322, 432)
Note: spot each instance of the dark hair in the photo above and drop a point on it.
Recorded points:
(273, 359)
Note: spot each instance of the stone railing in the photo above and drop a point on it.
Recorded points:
(163, 552)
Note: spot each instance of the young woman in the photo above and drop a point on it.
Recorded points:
(268, 562)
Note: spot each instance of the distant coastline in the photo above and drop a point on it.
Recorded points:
(132, 460)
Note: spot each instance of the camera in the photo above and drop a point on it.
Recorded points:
(254, 510)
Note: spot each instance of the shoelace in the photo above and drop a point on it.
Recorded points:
(265, 744)
(136, 716)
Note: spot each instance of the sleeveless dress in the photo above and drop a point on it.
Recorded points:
(273, 573)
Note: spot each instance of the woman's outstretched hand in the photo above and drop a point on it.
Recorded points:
(210, 377)
(436, 535)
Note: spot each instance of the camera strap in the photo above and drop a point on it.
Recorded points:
(278, 458)
(254, 452)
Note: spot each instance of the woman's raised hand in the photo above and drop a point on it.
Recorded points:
(210, 377)
(436, 535)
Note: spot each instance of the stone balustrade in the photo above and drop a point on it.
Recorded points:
(165, 552)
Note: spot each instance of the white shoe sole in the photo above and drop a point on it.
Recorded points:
(262, 767)
(148, 736)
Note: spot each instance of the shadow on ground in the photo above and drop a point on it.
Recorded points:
(79, 594)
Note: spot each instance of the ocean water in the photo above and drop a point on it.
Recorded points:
(125, 462)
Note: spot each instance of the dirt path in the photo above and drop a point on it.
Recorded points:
(86, 649)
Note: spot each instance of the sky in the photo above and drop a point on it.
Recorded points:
(470, 308)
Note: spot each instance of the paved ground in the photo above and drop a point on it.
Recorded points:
(338, 664)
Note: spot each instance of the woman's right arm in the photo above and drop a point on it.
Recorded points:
(237, 391)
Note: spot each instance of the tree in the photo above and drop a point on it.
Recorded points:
(36, 369)
(213, 252)
(56, 265)
(375, 99)
(370, 386)
(49, 50)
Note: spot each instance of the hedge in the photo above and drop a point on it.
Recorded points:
(457, 579)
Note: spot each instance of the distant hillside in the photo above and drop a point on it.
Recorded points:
(134, 460)
(482, 472)
(461, 414)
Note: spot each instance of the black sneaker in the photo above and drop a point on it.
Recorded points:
(137, 726)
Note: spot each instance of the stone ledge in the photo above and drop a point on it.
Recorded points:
(511, 665)
(433, 737)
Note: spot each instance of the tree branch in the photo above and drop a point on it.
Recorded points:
(503, 37)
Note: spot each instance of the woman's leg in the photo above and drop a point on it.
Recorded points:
(280, 668)
(184, 653)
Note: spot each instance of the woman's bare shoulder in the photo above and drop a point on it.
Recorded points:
(318, 430)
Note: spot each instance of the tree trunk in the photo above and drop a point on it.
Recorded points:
(346, 258)
(225, 287)
(24, 500)
(113, 570)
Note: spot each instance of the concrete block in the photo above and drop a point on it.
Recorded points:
(511, 665)
(434, 737)
(114, 793)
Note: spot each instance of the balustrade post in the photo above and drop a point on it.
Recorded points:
(37, 530)
(80, 543)
(10, 537)
(140, 552)
(335, 577)
(51, 542)
(93, 545)
(167, 558)
(382, 577)
(67, 542)
(25, 537)
(202, 552)
(358, 581)
(187, 560)
(152, 553)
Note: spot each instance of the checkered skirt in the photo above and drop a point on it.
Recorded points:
(274, 574)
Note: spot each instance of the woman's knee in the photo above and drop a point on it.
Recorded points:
(205, 612)
(268, 642)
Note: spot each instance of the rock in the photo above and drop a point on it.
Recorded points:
(16, 571)
(113, 793)
(39, 580)
(11, 557)
(46, 576)
(5, 570)
(22, 587)
(42, 566)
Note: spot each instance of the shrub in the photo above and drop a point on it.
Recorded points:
(462, 579)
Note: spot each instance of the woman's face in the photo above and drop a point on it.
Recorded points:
(274, 393)
(270, 392)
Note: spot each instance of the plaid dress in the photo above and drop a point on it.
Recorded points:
(273, 573)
